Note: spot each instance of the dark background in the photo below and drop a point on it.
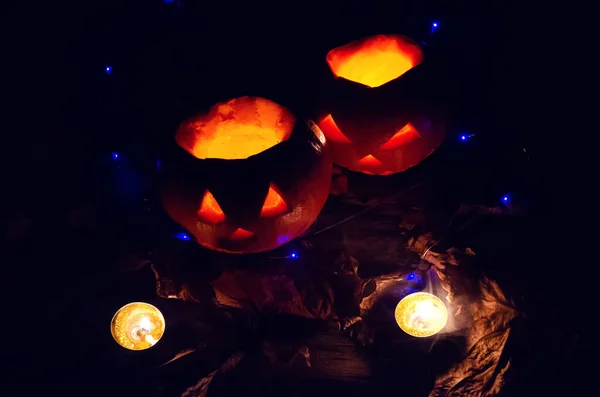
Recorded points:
(171, 61)
(67, 116)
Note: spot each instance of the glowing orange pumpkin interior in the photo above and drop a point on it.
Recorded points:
(375, 60)
(369, 161)
(210, 211)
(274, 204)
(237, 129)
(241, 234)
(332, 131)
(406, 135)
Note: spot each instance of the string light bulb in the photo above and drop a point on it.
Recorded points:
(465, 137)
(421, 314)
(182, 236)
(137, 326)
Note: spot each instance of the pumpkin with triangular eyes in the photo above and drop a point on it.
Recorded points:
(379, 114)
(246, 176)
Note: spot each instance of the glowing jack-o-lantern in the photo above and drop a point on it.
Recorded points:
(246, 176)
(379, 116)
(137, 326)
(421, 314)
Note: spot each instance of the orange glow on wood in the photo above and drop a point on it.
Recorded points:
(375, 60)
(370, 162)
(241, 234)
(236, 129)
(274, 204)
(331, 130)
(406, 135)
(210, 211)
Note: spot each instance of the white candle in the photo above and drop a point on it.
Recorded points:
(421, 314)
(137, 326)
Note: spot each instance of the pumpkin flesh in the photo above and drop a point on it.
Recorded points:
(375, 60)
(237, 129)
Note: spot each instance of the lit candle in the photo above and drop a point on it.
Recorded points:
(421, 314)
(137, 326)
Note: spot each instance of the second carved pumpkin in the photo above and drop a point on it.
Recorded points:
(379, 118)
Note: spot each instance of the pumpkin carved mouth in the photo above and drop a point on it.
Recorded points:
(375, 60)
(372, 166)
(237, 129)
(241, 234)
(369, 162)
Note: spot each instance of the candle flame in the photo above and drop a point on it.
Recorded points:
(145, 324)
(150, 339)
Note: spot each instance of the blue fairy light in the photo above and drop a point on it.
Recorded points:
(465, 137)
(182, 236)
(108, 69)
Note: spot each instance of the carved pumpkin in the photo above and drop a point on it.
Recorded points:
(378, 117)
(246, 176)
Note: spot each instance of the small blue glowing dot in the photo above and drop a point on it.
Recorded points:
(182, 236)
(410, 276)
(463, 137)
(115, 156)
(435, 25)
(108, 69)
(505, 198)
(293, 255)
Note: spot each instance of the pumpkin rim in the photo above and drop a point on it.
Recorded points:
(374, 61)
(236, 129)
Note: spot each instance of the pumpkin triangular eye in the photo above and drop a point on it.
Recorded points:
(406, 135)
(331, 130)
(210, 211)
(274, 204)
